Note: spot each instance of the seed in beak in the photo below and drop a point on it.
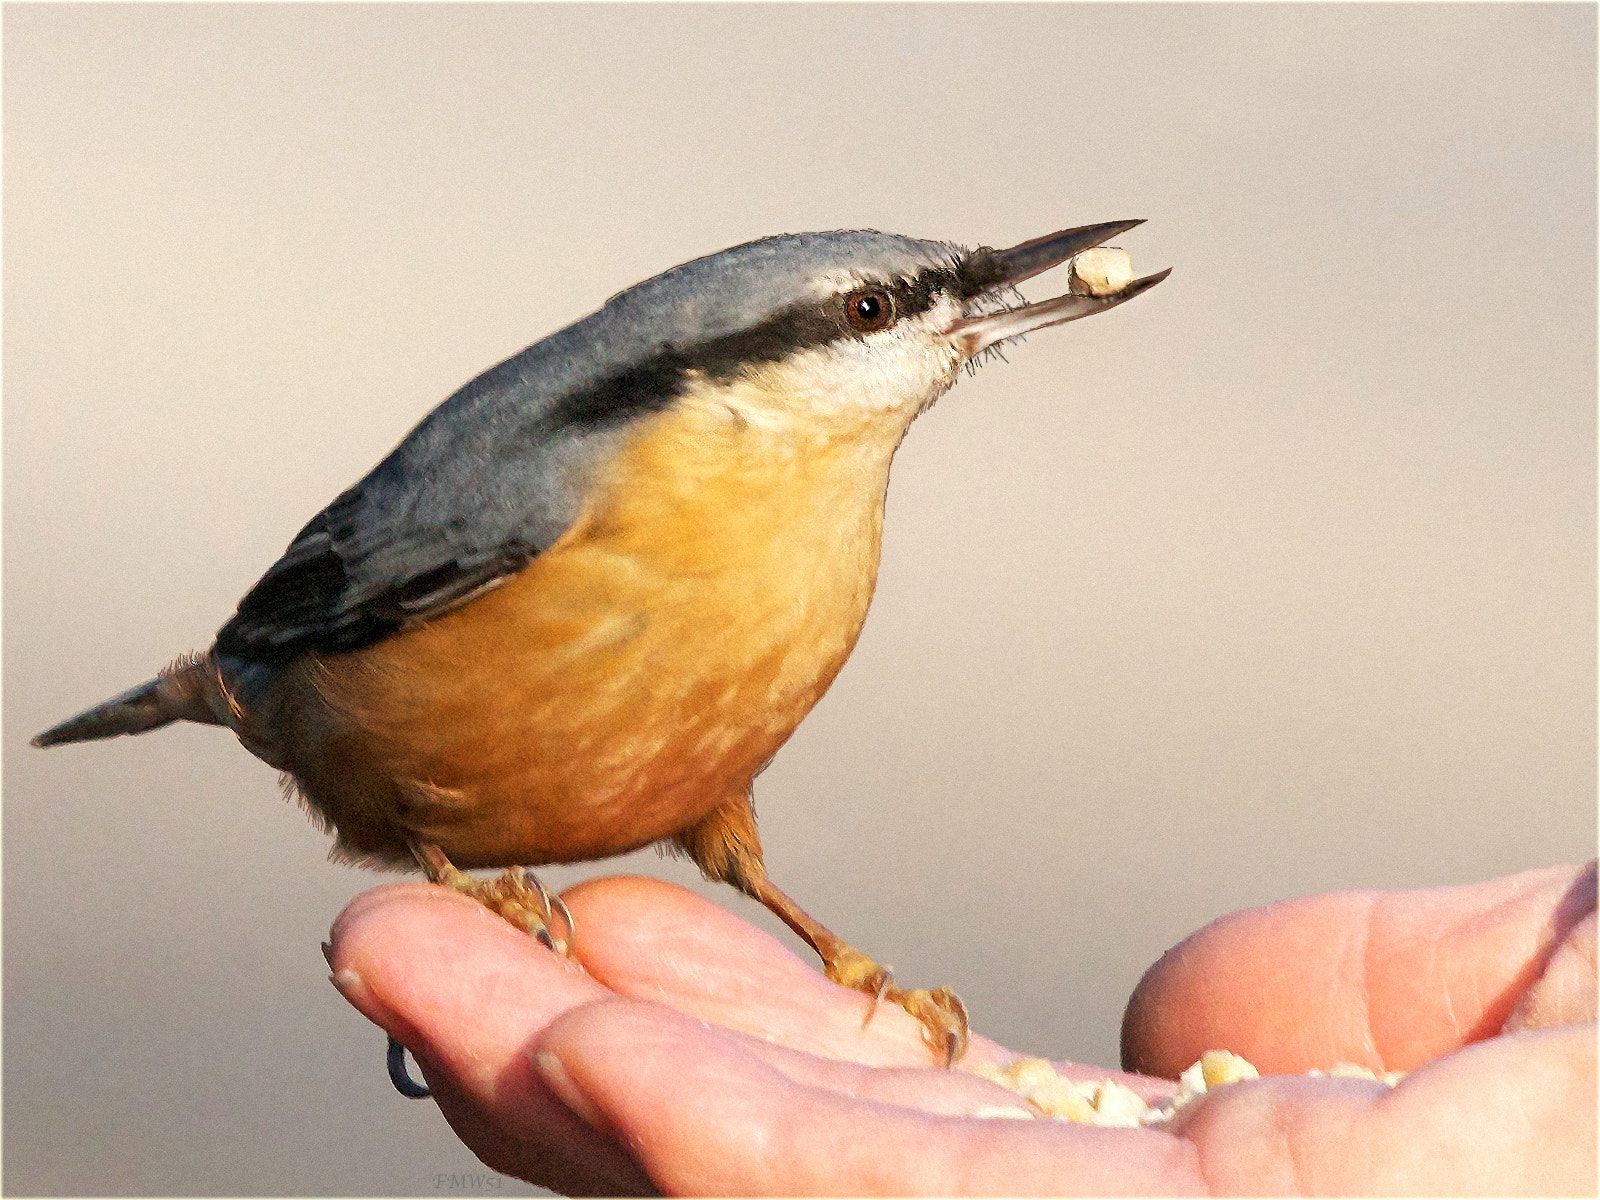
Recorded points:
(1102, 271)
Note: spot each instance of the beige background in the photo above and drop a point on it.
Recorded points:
(1278, 580)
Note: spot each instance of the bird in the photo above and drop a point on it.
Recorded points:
(588, 597)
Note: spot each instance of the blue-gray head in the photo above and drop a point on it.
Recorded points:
(859, 320)
(867, 312)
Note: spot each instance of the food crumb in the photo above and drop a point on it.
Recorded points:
(1103, 271)
(1087, 1102)
(1346, 1070)
(1108, 1103)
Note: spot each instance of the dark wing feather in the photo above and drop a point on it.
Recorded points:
(319, 597)
(490, 479)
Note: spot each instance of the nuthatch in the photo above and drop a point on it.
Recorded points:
(586, 600)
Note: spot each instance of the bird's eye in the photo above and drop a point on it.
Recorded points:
(869, 310)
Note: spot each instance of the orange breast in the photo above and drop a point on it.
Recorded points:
(633, 676)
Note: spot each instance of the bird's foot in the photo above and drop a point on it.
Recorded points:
(517, 895)
(943, 1016)
(520, 898)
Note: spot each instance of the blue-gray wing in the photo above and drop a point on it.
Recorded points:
(326, 594)
(488, 481)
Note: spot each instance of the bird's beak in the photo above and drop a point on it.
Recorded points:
(989, 271)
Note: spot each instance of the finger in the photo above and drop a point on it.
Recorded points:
(930, 1089)
(655, 941)
(562, 1153)
(1512, 1116)
(467, 993)
(1565, 991)
(704, 1115)
(1389, 980)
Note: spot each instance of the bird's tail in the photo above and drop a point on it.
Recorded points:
(183, 692)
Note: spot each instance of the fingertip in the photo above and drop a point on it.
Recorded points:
(377, 906)
(677, 1092)
(637, 912)
(1279, 985)
(444, 974)
(577, 1054)
(552, 1072)
(1388, 980)
(367, 941)
(623, 891)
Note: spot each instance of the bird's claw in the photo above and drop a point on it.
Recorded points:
(878, 993)
(401, 1077)
(943, 1016)
(944, 1020)
(550, 904)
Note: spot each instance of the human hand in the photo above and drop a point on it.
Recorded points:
(689, 1052)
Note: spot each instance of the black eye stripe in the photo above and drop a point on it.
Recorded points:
(652, 382)
(916, 296)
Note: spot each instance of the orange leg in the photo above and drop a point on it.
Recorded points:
(726, 847)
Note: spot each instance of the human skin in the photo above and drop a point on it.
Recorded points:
(683, 1051)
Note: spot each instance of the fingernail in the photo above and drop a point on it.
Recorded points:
(346, 981)
(327, 952)
(555, 1076)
